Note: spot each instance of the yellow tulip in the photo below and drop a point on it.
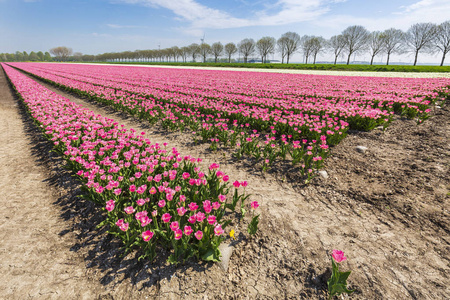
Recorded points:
(232, 234)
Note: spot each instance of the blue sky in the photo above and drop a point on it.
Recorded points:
(97, 26)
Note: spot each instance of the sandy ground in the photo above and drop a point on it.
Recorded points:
(387, 209)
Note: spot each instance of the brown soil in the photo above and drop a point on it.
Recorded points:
(387, 209)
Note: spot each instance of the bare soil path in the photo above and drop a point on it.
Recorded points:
(36, 261)
(388, 209)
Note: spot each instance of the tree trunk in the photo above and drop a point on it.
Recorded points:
(335, 59)
(282, 59)
(287, 59)
(387, 62)
(215, 59)
(314, 59)
(348, 59)
(306, 59)
(229, 59)
(443, 58)
(415, 58)
(371, 60)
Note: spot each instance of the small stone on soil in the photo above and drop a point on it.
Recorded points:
(226, 250)
(323, 174)
(361, 149)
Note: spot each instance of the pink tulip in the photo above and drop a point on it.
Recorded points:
(187, 230)
(174, 225)
(254, 204)
(110, 205)
(166, 217)
(129, 210)
(147, 235)
(178, 234)
(199, 235)
(338, 256)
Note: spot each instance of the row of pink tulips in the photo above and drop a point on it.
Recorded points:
(263, 85)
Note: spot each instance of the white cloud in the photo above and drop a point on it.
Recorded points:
(434, 11)
(317, 13)
(117, 26)
(95, 34)
(418, 5)
(201, 16)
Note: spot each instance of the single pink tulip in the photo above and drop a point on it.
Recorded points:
(338, 256)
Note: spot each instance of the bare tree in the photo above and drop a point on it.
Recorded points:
(139, 55)
(307, 46)
(61, 53)
(281, 47)
(355, 40)
(216, 50)
(150, 55)
(442, 39)
(337, 44)
(420, 37)
(318, 45)
(166, 54)
(230, 49)
(184, 52)
(158, 55)
(205, 49)
(292, 41)
(393, 42)
(375, 44)
(175, 53)
(265, 46)
(247, 48)
(194, 50)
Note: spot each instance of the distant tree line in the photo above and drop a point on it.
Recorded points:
(55, 54)
(419, 38)
(24, 56)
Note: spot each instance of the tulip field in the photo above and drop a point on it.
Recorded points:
(213, 181)
(267, 117)
(152, 195)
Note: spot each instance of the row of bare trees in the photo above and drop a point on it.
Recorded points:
(419, 38)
